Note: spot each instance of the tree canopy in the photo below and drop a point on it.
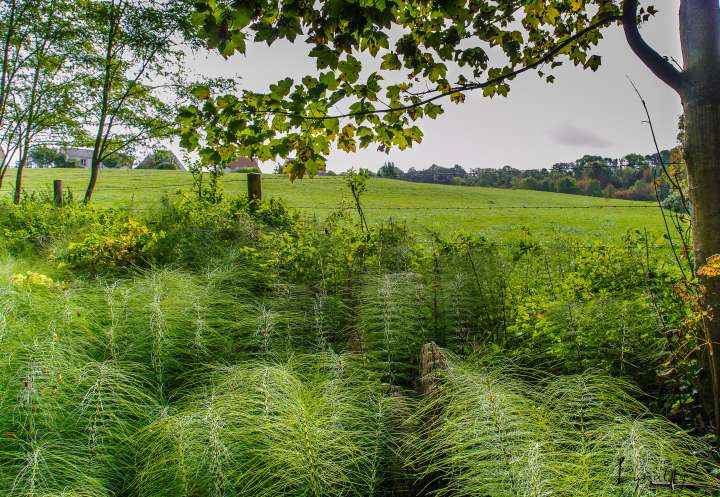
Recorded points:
(382, 66)
(160, 159)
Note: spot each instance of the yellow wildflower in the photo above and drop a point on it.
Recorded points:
(32, 279)
(711, 268)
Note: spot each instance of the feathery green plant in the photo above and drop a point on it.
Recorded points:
(67, 420)
(392, 318)
(468, 291)
(487, 431)
(307, 427)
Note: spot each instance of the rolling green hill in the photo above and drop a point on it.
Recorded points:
(498, 213)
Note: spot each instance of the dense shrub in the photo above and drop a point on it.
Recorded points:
(35, 224)
(130, 244)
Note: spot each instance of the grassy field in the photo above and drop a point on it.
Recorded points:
(497, 213)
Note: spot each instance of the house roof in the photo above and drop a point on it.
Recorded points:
(78, 153)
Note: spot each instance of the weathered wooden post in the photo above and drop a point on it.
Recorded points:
(432, 360)
(58, 192)
(254, 187)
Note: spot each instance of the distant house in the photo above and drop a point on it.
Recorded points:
(241, 163)
(80, 156)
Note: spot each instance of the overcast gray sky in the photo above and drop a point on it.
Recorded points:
(536, 126)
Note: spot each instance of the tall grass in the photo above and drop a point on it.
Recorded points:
(392, 325)
(68, 420)
(314, 427)
(467, 293)
(488, 431)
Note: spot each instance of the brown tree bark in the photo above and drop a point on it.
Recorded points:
(18, 180)
(700, 38)
(698, 86)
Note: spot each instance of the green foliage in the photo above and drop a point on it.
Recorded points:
(390, 170)
(206, 180)
(357, 184)
(439, 51)
(118, 160)
(618, 335)
(494, 212)
(391, 326)
(36, 224)
(128, 245)
(209, 348)
(68, 414)
(44, 156)
(161, 159)
(468, 292)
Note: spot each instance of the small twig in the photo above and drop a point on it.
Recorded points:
(657, 196)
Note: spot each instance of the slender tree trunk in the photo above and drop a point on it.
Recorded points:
(29, 126)
(99, 141)
(3, 171)
(19, 175)
(4, 77)
(102, 132)
(95, 162)
(5, 71)
(700, 37)
(702, 155)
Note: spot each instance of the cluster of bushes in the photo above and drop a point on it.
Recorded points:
(236, 348)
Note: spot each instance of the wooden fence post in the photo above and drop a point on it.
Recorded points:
(254, 187)
(58, 192)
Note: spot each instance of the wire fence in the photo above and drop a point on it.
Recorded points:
(132, 186)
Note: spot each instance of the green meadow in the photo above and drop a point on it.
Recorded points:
(496, 213)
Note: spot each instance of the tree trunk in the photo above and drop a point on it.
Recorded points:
(94, 169)
(702, 155)
(25, 149)
(102, 132)
(700, 38)
(18, 179)
(698, 85)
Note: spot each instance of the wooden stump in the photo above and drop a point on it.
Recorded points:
(432, 359)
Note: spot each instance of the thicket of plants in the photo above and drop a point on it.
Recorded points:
(237, 348)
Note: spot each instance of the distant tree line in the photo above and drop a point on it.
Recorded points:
(632, 177)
